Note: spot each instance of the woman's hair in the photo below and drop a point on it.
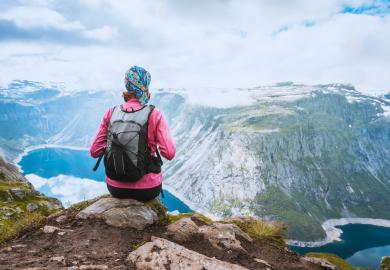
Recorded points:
(128, 95)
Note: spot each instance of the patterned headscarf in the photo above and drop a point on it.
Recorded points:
(137, 80)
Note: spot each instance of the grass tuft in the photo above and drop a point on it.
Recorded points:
(259, 229)
(27, 222)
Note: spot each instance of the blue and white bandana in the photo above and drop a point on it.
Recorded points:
(137, 80)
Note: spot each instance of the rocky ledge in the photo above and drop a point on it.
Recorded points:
(107, 233)
(21, 206)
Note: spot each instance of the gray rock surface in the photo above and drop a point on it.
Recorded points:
(50, 229)
(18, 192)
(52, 204)
(123, 213)
(31, 207)
(161, 254)
(224, 235)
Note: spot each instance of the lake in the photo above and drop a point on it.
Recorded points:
(362, 245)
(67, 175)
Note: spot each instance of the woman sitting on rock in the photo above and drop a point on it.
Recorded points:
(129, 138)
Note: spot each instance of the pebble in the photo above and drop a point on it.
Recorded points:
(59, 259)
(49, 229)
(6, 249)
(19, 246)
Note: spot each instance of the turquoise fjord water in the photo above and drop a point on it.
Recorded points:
(362, 245)
(52, 162)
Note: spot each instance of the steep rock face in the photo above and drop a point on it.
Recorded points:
(301, 160)
(21, 205)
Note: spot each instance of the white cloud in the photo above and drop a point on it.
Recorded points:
(209, 43)
(104, 33)
(29, 17)
(68, 189)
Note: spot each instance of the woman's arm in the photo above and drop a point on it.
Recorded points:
(162, 135)
(100, 140)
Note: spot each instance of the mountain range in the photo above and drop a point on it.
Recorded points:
(296, 153)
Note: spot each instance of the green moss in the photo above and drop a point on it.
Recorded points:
(21, 220)
(158, 207)
(333, 259)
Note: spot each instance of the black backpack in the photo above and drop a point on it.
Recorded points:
(127, 155)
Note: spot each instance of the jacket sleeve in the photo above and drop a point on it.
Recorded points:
(163, 137)
(100, 140)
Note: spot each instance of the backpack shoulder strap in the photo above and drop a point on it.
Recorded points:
(152, 107)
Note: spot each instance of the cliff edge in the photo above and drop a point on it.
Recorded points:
(108, 233)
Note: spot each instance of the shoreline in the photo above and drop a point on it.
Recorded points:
(333, 234)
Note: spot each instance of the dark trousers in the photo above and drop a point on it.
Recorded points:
(136, 194)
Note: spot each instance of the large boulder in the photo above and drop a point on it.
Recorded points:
(161, 254)
(224, 235)
(182, 229)
(123, 213)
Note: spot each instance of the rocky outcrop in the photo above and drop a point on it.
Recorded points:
(224, 236)
(122, 213)
(161, 254)
(74, 240)
(182, 230)
(220, 235)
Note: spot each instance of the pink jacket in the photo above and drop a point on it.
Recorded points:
(157, 126)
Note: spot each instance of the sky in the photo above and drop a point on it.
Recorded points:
(89, 44)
